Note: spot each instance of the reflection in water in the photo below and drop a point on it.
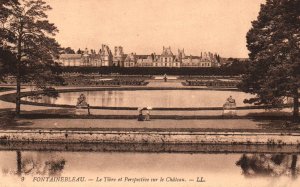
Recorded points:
(273, 165)
(217, 169)
(19, 163)
(44, 99)
(30, 165)
(154, 98)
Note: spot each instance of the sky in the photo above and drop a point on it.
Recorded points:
(145, 26)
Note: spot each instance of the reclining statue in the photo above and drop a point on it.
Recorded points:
(230, 103)
(82, 107)
(81, 101)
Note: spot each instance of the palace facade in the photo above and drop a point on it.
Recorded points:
(166, 59)
(103, 58)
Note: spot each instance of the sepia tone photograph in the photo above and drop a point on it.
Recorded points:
(201, 93)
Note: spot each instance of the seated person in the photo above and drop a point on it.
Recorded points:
(141, 116)
(147, 116)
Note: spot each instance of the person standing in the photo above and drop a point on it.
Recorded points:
(165, 77)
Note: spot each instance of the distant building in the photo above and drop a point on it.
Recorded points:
(167, 59)
(105, 56)
(92, 59)
(130, 60)
(86, 58)
(70, 59)
(118, 57)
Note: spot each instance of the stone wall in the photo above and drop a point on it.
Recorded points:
(138, 147)
(150, 137)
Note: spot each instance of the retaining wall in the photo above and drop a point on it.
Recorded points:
(150, 137)
(157, 148)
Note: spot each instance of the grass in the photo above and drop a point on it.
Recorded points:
(4, 89)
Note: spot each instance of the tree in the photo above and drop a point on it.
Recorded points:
(236, 65)
(274, 45)
(69, 50)
(79, 51)
(269, 165)
(6, 55)
(7, 63)
(45, 165)
(4, 14)
(29, 36)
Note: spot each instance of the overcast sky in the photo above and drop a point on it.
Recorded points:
(145, 26)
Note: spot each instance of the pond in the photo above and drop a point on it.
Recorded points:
(31, 168)
(152, 98)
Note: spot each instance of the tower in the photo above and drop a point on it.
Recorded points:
(105, 55)
(85, 57)
(118, 58)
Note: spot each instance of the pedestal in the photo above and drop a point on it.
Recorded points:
(82, 111)
(229, 109)
(229, 112)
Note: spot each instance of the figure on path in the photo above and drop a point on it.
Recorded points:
(165, 77)
(140, 116)
(144, 114)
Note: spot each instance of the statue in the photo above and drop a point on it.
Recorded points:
(82, 107)
(81, 101)
(230, 100)
(229, 108)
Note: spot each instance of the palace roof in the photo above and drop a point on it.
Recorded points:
(167, 52)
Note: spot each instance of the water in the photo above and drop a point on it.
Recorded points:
(153, 98)
(26, 168)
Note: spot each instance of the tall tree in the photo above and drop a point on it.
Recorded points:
(274, 45)
(4, 14)
(7, 63)
(7, 58)
(29, 36)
